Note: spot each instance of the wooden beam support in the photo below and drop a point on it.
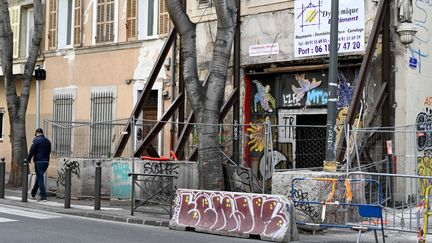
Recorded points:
(146, 91)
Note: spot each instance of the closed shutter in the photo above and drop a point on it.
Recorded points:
(131, 24)
(100, 21)
(164, 21)
(14, 15)
(52, 24)
(105, 21)
(109, 21)
(77, 22)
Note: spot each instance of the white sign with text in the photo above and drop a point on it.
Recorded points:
(312, 20)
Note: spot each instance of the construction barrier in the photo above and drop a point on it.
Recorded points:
(348, 196)
(271, 217)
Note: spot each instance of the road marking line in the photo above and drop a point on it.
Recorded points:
(57, 204)
(5, 220)
(27, 214)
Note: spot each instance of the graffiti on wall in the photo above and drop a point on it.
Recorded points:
(424, 129)
(424, 168)
(263, 97)
(61, 174)
(305, 86)
(345, 91)
(160, 168)
(257, 135)
(120, 182)
(267, 215)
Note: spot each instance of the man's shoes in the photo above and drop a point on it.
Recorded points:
(32, 196)
(42, 199)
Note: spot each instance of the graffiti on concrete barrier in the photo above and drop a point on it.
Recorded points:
(307, 209)
(120, 182)
(267, 215)
(263, 97)
(61, 174)
(164, 168)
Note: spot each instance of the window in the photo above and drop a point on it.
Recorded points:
(164, 21)
(147, 19)
(105, 21)
(14, 15)
(65, 34)
(102, 105)
(52, 24)
(30, 29)
(77, 23)
(62, 126)
(131, 22)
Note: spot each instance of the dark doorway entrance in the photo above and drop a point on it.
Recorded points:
(310, 140)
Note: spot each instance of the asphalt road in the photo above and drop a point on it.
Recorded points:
(28, 225)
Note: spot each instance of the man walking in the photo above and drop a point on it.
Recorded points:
(40, 152)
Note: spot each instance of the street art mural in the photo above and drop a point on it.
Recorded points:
(121, 183)
(345, 91)
(257, 135)
(424, 168)
(305, 86)
(263, 97)
(242, 213)
(424, 144)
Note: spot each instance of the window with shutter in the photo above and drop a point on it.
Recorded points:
(164, 21)
(77, 23)
(14, 15)
(131, 24)
(105, 21)
(52, 24)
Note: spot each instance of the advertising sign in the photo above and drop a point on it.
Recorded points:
(312, 20)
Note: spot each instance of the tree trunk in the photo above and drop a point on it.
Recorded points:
(17, 105)
(207, 101)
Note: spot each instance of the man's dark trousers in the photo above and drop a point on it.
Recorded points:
(40, 168)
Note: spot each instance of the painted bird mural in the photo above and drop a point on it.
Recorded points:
(305, 86)
(264, 97)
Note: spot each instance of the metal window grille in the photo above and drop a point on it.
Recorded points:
(62, 131)
(101, 131)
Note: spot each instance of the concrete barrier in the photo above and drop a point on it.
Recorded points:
(271, 217)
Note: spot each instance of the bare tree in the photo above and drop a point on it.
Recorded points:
(17, 104)
(206, 101)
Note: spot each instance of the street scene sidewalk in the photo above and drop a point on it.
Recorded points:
(155, 216)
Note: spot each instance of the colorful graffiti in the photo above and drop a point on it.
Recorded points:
(241, 213)
(424, 168)
(317, 97)
(305, 86)
(257, 135)
(345, 91)
(340, 120)
(424, 130)
(263, 97)
(121, 182)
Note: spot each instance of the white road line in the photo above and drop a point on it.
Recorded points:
(27, 214)
(5, 220)
(57, 204)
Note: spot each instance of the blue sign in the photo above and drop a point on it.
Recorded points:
(413, 62)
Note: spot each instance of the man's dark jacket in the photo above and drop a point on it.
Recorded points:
(40, 149)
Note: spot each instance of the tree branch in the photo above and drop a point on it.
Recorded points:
(33, 55)
(226, 23)
(187, 33)
(6, 55)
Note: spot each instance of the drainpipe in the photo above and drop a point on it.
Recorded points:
(332, 89)
(173, 87)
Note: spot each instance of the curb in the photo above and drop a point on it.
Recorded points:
(89, 214)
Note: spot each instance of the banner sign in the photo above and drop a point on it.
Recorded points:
(312, 20)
